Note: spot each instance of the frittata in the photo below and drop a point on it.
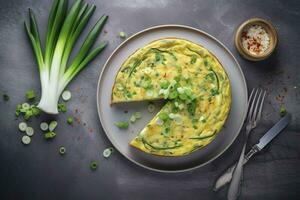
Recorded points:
(195, 86)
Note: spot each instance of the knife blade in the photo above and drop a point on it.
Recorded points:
(226, 177)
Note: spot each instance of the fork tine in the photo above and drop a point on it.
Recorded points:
(254, 115)
(251, 101)
(260, 108)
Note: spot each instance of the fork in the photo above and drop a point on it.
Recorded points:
(255, 105)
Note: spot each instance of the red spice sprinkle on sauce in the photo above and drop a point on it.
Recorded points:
(255, 39)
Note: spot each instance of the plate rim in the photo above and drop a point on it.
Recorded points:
(153, 28)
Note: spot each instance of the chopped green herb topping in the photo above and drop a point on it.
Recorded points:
(122, 124)
(193, 59)
(30, 95)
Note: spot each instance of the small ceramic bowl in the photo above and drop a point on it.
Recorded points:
(269, 29)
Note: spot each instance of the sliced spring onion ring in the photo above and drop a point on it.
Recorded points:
(44, 126)
(29, 131)
(151, 108)
(132, 119)
(26, 139)
(107, 152)
(66, 95)
(93, 165)
(22, 126)
(62, 150)
(52, 125)
(137, 115)
(122, 34)
(25, 106)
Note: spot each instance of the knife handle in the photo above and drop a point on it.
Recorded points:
(226, 177)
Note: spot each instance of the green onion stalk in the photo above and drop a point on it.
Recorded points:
(64, 28)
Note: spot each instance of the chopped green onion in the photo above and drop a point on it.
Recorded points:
(49, 135)
(151, 107)
(122, 35)
(93, 165)
(25, 106)
(62, 107)
(44, 126)
(132, 119)
(26, 139)
(70, 120)
(107, 152)
(22, 126)
(5, 97)
(30, 95)
(62, 150)
(52, 125)
(29, 131)
(137, 115)
(122, 124)
(28, 114)
(163, 116)
(66, 95)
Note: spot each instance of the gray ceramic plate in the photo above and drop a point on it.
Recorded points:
(110, 114)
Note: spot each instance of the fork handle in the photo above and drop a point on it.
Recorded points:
(234, 188)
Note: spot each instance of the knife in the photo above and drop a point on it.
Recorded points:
(226, 177)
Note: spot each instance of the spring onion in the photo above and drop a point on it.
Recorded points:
(52, 125)
(26, 139)
(25, 106)
(107, 152)
(44, 126)
(151, 107)
(70, 120)
(49, 135)
(93, 165)
(132, 119)
(64, 28)
(122, 34)
(62, 107)
(29, 131)
(122, 124)
(22, 126)
(66, 95)
(30, 95)
(62, 150)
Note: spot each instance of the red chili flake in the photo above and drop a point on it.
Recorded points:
(91, 130)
